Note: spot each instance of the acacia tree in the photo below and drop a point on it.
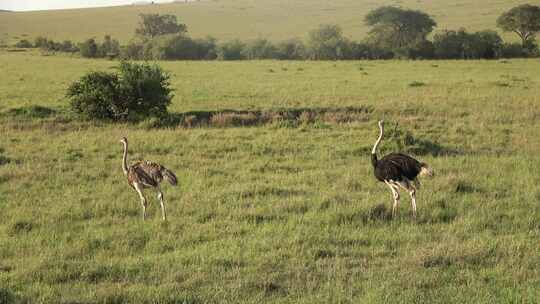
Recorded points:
(153, 25)
(397, 28)
(524, 20)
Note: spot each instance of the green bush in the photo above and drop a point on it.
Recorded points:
(89, 48)
(145, 89)
(206, 48)
(292, 49)
(327, 43)
(24, 44)
(69, 47)
(231, 50)
(109, 48)
(138, 91)
(40, 42)
(173, 47)
(133, 50)
(259, 49)
(95, 96)
(463, 45)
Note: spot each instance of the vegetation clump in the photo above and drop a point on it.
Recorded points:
(395, 33)
(524, 20)
(137, 91)
(402, 31)
(24, 44)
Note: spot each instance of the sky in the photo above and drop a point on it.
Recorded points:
(30, 5)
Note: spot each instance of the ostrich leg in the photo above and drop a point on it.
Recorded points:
(411, 189)
(139, 190)
(162, 203)
(395, 194)
(412, 193)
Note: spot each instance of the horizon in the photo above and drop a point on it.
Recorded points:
(36, 5)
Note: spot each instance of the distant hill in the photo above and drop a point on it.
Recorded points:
(4, 11)
(247, 19)
(143, 3)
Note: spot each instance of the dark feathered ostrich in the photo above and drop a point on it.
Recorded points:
(398, 170)
(146, 174)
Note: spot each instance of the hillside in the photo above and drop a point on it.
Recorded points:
(245, 19)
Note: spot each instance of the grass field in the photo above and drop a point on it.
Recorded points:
(246, 19)
(277, 212)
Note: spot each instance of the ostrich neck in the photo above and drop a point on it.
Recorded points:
(374, 151)
(124, 159)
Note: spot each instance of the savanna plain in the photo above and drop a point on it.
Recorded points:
(277, 210)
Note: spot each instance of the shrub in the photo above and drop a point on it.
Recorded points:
(96, 96)
(292, 49)
(327, 43)
(174, 47)
(137, 92)
(24, 44)
(422, 50)
(40, 42)
(487, 45)
(259, 49)
(69, 47)
(133, 50)
(145, 89)
(109, 48)
(231, 50)
(463, 45)
(206, 48)
(153, 25)
(89, 48)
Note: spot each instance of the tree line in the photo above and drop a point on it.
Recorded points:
(394, 33)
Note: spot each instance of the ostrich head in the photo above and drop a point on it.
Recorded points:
(381, 124)
(123, 140)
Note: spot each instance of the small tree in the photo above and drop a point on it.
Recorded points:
(89, 48)
(145, 89)
(136, 92)
(487, 45)
(173, 47)
(153, 25)
(206, 48)
(109, 48)
(68, 46)
(327, 43)
(96, 96)
(40, 42)
(134, 50)
(397, 28)
(24, 44)
(524, 20)
(259, 49)
(292, 49)
(231, 50)
(463, 45)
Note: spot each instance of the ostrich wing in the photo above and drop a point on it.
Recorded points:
(408, 166)
(139, 172)
(159, 172)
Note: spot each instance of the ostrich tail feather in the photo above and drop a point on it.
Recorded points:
(169, 176)
(426, 170)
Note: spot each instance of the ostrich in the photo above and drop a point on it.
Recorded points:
(146, 174)
(398, 170)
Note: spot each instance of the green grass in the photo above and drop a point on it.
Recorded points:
(246, 19)
(275, 213)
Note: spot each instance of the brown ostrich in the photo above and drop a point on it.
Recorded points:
(145, 174)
